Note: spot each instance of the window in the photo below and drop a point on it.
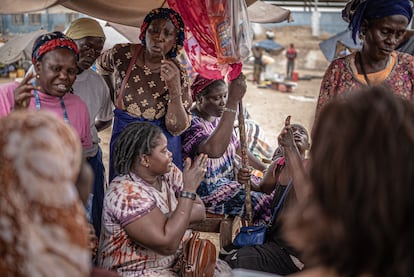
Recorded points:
(35, 19)
(18, 19)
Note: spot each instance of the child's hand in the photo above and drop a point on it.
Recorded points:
(285, 137)
(243, 176)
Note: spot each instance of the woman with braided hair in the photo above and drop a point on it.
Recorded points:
(149, 205)
(147, 82)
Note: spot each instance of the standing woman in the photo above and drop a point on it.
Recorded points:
(147, 82)
(54, 59)
(381, 25)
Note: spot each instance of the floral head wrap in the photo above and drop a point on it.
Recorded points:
(50, 41)
(199, 84)
(176, 20)
(43, 222)
(357, 10)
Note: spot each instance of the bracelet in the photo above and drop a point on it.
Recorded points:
(229, 110)
(187, 194)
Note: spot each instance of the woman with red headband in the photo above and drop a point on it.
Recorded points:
(147, 82)
(212, 133)
(54, 58)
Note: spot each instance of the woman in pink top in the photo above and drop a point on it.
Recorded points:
(54, 58)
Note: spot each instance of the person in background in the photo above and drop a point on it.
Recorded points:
(43, 230)
(258, 65)
(291, 57)
(54, 58)
(358, 218)
(147, 82)
(381, 26)
(211, 132)
(92, 89)
(275, 255)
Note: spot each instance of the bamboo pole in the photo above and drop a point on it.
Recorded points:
(245, 162)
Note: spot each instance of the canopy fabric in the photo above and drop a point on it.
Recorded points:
(132, 12)
(24, 6)
(261, 12)
(19, 47)
(329, 46)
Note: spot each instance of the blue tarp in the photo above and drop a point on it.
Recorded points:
(268, 45)
(329, 46)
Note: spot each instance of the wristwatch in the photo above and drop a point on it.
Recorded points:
(187, 194)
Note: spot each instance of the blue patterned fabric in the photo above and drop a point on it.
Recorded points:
(219, 190)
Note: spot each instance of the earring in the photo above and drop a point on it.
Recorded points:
(37, 76)
(146, 165)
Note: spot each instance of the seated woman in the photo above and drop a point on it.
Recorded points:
(212, 132)
(276, 255)
(149, 205)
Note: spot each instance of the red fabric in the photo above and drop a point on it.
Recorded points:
(199, 42)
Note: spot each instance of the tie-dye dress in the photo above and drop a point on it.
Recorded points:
(129, 198)
(219, 190)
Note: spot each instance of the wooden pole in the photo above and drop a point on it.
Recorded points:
(245, 162)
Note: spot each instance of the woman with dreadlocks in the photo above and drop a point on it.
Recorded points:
(380, 25)
(149, 205)
(148, 83)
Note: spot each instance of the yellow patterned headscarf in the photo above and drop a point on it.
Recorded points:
(85, 27)
(42, 221)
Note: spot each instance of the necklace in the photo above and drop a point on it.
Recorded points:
(361, 64)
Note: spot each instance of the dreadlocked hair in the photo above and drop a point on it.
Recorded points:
(137, 139)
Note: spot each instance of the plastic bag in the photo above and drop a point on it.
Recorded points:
(231, 29)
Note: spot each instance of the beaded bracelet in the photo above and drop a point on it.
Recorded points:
(229, 110)
(187, 194)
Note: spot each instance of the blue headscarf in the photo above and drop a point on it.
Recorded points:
(357, 10)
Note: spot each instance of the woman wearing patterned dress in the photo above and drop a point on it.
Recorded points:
(381, 25)
(149, 206)
(148, 83)
(212, 132)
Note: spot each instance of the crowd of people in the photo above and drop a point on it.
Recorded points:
(339, 208)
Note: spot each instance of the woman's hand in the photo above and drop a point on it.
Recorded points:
(171, 74)
(237, 89)
(22, 93)
(193, 173)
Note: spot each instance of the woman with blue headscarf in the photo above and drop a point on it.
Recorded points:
(380, 25)
(147, 82)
